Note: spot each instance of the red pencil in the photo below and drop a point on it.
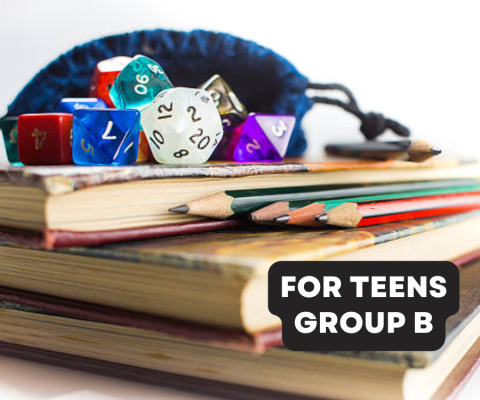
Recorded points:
(351, 215)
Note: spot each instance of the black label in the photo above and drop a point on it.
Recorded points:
(363, 306)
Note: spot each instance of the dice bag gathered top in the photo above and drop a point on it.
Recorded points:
(264, 81)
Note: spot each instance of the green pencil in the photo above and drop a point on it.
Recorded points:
(234, 202)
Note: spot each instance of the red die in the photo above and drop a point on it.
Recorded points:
(104, 75)
(45, 139)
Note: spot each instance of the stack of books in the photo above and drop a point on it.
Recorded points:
(96, 274)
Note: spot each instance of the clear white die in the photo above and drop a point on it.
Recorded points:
(183, 126)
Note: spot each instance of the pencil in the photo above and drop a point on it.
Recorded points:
(306, 216)
(352, 215)
(416, 150)
(265, 205)
(225, 204)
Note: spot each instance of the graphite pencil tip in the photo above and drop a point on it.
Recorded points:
(183, 209)
(282, 219)
(322, 218)
(435, 151)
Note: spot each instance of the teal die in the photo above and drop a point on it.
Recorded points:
(8, 126)
(139, 83)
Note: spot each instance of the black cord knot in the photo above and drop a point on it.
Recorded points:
(373, 125)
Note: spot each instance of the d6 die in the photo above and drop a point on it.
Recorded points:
(232, 111)
(8, 126)
(69, 105)
(105, 137)
(265, 138)
(45, 139)
(138, 83)
(104, 76)
(183, 126)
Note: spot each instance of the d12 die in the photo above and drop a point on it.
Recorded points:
(232, 111)
(138, 83)
(45, 139)
(183, 126)
(105, 137)
(69, 105)
(9, 128)
(265, 137)
(104, 76)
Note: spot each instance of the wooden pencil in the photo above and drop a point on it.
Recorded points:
(416, 150)
(234, 202)
(352, 215)
(306, 216)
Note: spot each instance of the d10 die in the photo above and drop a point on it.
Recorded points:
(232, 111)
(9, 128)
(69, 105)
(183, 126)
(138, 83)
(104, 76)
(265, 138)
(144, 153)
(226, 148)
(105, 137)
(45, 139)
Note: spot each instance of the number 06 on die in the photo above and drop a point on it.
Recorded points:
(182, 126)
(138, 83)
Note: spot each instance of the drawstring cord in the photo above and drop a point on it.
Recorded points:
(372, 124)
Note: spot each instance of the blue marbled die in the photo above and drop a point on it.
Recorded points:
(105, 137)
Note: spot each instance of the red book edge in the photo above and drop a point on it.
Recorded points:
(55, 239)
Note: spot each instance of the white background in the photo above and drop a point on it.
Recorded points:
(415, 61)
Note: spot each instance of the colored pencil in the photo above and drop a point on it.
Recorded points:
(306, 216)
(352, 215)
(408, 150)
(234, 202)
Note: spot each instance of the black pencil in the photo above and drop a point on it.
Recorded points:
(416, 150)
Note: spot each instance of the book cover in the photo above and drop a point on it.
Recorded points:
(58, 179)
(49, 239)
(249, 253)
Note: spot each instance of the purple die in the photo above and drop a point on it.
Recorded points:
(265, 138)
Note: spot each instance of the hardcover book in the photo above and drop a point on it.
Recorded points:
(220, 278)
(66, 199)
(44, 322)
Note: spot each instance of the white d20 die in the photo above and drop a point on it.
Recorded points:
(183, 126)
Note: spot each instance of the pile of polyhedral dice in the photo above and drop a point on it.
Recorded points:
(135, 114)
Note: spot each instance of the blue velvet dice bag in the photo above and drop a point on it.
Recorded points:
(263, 80)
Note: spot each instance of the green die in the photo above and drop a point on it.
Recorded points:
(8, 126)
(139, 83)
